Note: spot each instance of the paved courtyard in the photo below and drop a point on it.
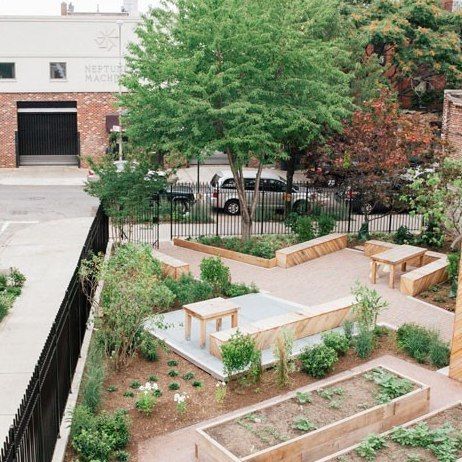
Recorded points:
(325, 279)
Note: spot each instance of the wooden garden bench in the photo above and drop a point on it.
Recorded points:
(309, 250)
(420, 279)
(171, 266)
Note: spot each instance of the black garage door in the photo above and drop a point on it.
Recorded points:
(47, 133)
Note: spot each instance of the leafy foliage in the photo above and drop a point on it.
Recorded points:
(10, 288)
(368, 448)
(364, 342)
(403, 236)
(453, 272)
(215, 273)
(303, 397)
(369, 304)
(390, 385)
(187, 289)
(304, 425)
(239, 353)
(146, 403)
(148, 347)
(318, 360)
(282, 352)
(337, 341)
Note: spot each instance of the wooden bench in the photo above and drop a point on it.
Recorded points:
(171, 266)
(302, 323)
(420, 279)
(309, 250)
(374, 246)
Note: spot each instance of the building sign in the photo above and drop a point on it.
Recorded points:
(107, 40)
(104, 73)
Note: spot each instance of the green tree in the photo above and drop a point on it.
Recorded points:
(237, 77)
(417, 42)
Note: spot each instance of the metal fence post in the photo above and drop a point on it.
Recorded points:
(171, 211)
(262, 210)
(349, 216)
(217, 190)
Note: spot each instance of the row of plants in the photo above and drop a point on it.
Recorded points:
(303, 227)
(11, 284)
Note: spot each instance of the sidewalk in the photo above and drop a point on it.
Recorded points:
(47, 253)
(43, 176)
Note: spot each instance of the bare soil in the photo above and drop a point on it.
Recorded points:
(394, 452)
(439, 295)
(202, 404)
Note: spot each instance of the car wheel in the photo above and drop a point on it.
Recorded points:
(232, 207)
(300, 207)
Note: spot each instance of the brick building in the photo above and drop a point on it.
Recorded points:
(58, 84)
(452, 122)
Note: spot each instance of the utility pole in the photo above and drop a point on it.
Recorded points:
(120, 24)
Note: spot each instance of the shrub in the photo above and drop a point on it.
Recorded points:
(364, 343)
(16, 278)
(433, 235)
(117, 425)
(93, 382)
(122, 456)
(304, 228)
(162, 297)
(369, 304)
(238, 353)
(337, 341)
(236, 290)
(348, 329)
(283, 352)
(439, 353)
(146, 402)
(214, 272)
(317, 361)
(403, 236)
(326, 224)
(92, 444)
(148, 347)
(189, 290)
(453, 272)
(415, 341)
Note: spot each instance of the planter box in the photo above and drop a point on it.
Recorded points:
(225, 253)
(338, 455)
(327, 439)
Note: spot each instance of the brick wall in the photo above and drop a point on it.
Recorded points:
(451, 131)
(92, 109)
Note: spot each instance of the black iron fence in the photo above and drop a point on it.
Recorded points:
(35, 429)
(193, 209)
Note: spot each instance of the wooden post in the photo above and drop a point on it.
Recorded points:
(455, 364)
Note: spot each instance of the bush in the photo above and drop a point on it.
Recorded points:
(403, 236)
(214, 272)
(238, 353)
(189, 290)
(364, 343)
(317, 361)
(337, 341)
(93, 382)
(326, 224)
(433, 235)
(93, 445)
(145, 403)
(348, 329)
(453, 272)
(238, 289)
(162, 297)
(148, 347)
(439, 353)
(304, 228)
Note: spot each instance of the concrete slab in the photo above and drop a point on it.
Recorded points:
(179, 445)
(254, 307)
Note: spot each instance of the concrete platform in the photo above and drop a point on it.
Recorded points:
(253, 308)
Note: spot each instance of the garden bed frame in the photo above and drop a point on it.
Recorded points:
(423, 418)
(331, 438)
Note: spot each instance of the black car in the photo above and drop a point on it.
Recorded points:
(180, 196)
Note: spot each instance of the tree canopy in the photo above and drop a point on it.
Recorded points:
(239, 77)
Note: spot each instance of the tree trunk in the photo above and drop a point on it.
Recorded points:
(291, 163)
(247, 210)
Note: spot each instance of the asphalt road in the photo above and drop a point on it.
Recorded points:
(22, 206)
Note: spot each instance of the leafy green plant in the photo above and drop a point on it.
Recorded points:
(145, 403)
(326, 224)
(173, 386)
(304, 228)
(453, 272)
(129, 394)
(390, 385)
(282, 352)
(197, 384)
(10, 288)
(153, 378)
(317, 361)
(122, 456)
(214, 272)
(364, 343)
(368, 448)
(173, 373)
(403, 236)
(172, 363)
(238, 289)
(303, 425)
(439, 353)
(148, 347)
(111, 388)
(303, 397)
(348, 329)
(188, 376)
(337, 341)
(135, 384)
(239, 353)
(187, 289)
(330, 393)
(368, 305)
(93, 381)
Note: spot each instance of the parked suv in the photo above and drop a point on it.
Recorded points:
(273, 192)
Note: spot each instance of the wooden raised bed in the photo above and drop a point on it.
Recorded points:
(225, 253)
(321, 442)
(171, 267)
(432, 419)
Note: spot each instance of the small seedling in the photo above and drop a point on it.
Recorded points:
(188, 376)
(253, 418)
(152, 378)
(304, 425)
(111, 388)
(129, 394)
(303, 397)
(197, 384)
(173, 386)
(330, 393)
(173, 373)
(172, 363)
(157, 393)
(135, 384)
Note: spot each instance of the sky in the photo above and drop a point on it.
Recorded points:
(53, 7)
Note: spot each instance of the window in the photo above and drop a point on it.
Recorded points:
(273, 185)
(7, 71)
(58, 71)
(229, 184)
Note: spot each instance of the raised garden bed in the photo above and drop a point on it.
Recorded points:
(319, 421)
(439, 295)
(225, 253)
(392, 450)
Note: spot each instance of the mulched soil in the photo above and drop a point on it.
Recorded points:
(394, 452)
(273, 425)
(202, 404)
(439, 295)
